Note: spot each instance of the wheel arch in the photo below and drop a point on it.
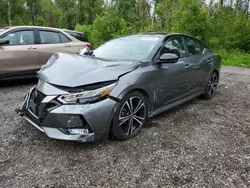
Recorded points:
(213, 70)
(217, 72)
(131, 92)
(140, 89)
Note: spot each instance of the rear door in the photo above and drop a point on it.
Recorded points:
(51, 41)
(199, 63)
(21, 54)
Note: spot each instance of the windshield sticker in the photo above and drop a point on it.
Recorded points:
(150, 38)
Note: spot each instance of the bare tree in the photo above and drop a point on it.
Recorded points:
(31, 7)
(9, 12)
(210, 5)
(221, 3)
(33, 12)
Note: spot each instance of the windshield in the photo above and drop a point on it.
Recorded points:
(2, 30)
(127, 48)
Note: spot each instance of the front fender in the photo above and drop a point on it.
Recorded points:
(130, 88)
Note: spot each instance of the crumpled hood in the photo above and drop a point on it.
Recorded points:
(72, 70)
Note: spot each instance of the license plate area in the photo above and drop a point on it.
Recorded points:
(79, 131)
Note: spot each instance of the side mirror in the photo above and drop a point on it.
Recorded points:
(4, 41)
(169, 58)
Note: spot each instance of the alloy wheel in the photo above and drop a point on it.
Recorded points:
(212, 84)
(132, 115)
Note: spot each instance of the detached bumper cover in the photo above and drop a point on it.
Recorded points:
(57, 134)
(56, 121)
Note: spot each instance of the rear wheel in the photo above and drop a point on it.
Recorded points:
(130, 116)
(211, 86)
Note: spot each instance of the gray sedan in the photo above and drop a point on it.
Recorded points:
(113, 90)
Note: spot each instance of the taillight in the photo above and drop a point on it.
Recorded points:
(90, 46)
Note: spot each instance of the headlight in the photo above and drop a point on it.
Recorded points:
(87, 96)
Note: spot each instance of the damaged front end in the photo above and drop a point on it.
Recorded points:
(68, 116)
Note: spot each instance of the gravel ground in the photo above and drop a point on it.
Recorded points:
(202, 143)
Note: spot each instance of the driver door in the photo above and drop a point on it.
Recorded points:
(171, 77)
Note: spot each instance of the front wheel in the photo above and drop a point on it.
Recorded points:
(130, 116)
(211, 86)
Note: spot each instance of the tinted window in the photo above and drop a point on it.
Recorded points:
(20, 38)
(64, 39)
(194, 47)
(127, 48)
(79, 36)
(175, 46)
(201, 47)
(49, 37)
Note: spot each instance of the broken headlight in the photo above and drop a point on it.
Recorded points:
(87, 96)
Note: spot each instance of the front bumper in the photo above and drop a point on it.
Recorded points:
(56, 121)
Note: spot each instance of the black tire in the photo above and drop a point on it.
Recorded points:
(211, 86)
(125, 124)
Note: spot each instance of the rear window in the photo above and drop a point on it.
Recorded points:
(79, 36)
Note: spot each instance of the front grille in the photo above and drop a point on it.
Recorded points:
(32, 118)
(49, 107)
(35, 101)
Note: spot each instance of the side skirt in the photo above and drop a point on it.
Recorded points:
(176, 103)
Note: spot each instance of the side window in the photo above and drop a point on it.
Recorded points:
(20, 38)
(194, 47)
(64, 39)
(201, 47)
(83, 37)
(79, 36)
(175, 46)
(49, 37)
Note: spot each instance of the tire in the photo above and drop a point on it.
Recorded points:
(127, 121)
(211, 86)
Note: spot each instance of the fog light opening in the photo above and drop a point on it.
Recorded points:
(74, 122)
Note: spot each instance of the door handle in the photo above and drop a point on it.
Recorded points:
(209, 60)
(32, 48)
(67, 45)
(187, 66)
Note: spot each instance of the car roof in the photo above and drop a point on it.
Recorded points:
(164, 34)
(157, 34)
(153, 33)
(160, 35)
(40, 27)
(67, 30)
(30, 26)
